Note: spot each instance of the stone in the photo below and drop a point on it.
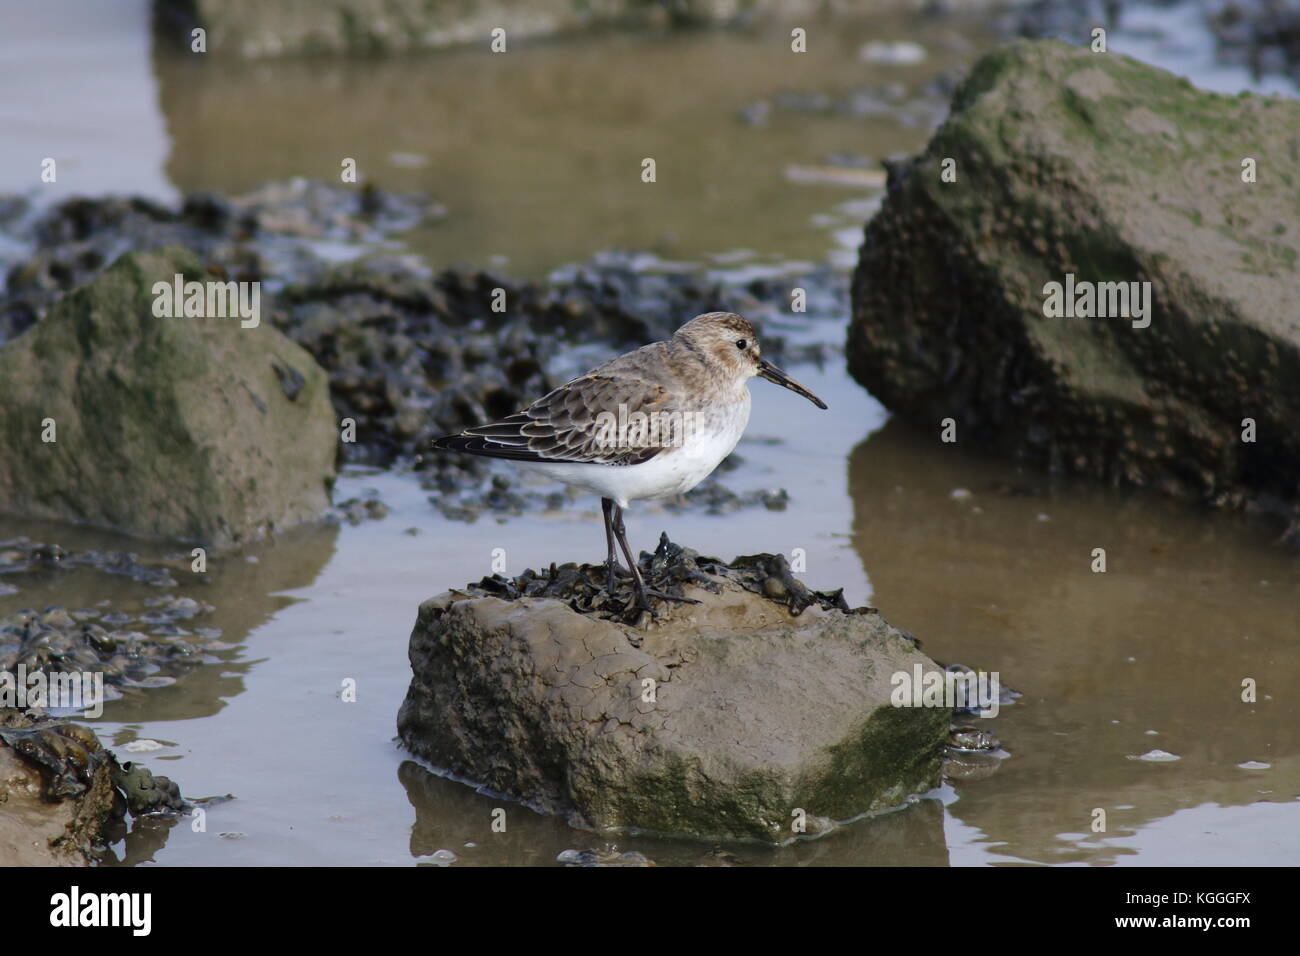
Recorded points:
(163, 427)
(720, 720)
(1079, 167)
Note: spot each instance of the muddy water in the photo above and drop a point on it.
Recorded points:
(1149, 655)
(537, 154)
(537, 157)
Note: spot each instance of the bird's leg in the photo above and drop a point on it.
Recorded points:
(620, 532)
(642, 600)
(611, 562)
(643, 594)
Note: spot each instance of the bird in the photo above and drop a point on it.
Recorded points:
(649, 424)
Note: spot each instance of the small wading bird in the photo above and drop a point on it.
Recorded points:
(652, 423)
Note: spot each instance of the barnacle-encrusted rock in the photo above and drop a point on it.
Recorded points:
(736, 717)
(1069, 162)
(60, 789)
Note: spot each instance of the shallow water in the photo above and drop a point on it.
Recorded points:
(536, 155)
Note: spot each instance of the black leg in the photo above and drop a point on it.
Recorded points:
(643, 594)
(611, 562)
(620, 532)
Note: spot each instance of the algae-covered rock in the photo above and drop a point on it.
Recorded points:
(722, 719)
(1075, 167)
(61, 792)
(204, 429)
(56, 791)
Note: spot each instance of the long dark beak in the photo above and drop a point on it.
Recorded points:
(773, 374)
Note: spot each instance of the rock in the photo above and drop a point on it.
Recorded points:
(721, 720)
(605, 856)
(257, 29)
(38, 829)
(61, 791)
(1099, 167)
(270, 28)
(123, 657)
(293, 27)
(176, 428)
(410, 354)
(22, 555)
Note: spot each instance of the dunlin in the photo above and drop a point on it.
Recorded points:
(652, 423)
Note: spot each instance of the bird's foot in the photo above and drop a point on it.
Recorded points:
(612, 574)
(641, 600)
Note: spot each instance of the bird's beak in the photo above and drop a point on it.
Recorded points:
(773, 374)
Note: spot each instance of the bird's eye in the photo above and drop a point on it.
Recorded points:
(742, 344)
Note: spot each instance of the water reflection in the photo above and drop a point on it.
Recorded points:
(246, 590)
(1150, 655)
(449, 815)
(537, 155)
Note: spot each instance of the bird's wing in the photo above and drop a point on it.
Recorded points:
(588, 420)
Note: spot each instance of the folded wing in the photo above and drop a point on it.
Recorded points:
(592, 419)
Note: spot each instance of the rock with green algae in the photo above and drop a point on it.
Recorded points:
(1073, 162)
(732, 718)
(191, 428)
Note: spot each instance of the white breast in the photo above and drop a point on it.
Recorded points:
(673, 471)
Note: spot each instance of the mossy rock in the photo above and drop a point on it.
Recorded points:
(189, 428)
(1096, 165)
(728, 719)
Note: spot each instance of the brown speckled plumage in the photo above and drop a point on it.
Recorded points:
(678, 375)
(696, 382)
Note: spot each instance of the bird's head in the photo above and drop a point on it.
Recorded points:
(727, 343)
